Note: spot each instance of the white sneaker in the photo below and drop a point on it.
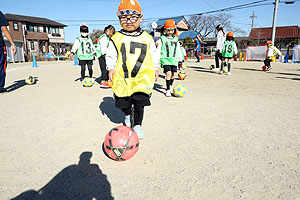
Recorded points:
(127, 121)
(138, 130)
(229, 73)
(168, 93)
(221, 72)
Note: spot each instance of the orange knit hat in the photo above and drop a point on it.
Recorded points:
(230, 34)
(170, 24)
(129, 7)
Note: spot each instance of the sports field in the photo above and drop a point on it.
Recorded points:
(230, 137)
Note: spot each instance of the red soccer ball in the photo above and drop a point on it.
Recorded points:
(264, 68)
(121, 143)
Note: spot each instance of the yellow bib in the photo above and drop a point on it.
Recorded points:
(135, 69)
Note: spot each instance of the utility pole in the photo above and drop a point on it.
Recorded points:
(274, 21)
(252, 17)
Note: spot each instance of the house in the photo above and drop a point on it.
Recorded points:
(181, 24)
(36, 35)
(191, 34)
(284, 35)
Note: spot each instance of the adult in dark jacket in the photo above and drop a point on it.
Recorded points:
(3, 55)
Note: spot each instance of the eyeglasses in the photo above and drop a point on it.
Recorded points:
(132, 19)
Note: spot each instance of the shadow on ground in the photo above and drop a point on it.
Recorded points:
(159, 88)
(270, 72)
(202, 69)
(18, 84)
(294, 79)
(76, 182)
(108, 108)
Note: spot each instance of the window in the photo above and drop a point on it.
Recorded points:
(32, 45)
(30, 28)
(35, 29)
(55, 31)
(15, 25)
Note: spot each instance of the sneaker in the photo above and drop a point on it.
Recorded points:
(269, 68)
(168, 93)
(228, 73)
(221, 72)
(138, 130)
(104, 84)
(127, 120)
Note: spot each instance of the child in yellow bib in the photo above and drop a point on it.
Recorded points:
(132, 63)
(272, 53)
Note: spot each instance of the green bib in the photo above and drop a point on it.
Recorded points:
(228, 49)
(98, 49)
(182, 52)
(169, 55)
(85, 51)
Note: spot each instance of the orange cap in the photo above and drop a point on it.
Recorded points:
(170, 24)
(230, 34)
(269, 42)
(129, 7)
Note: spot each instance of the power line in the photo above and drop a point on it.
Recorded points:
(208, 4)
(231, 8)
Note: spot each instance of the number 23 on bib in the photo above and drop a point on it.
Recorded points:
(134, 70)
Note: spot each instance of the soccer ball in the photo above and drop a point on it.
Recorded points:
(212, 67)
(183, 67)
(182, 75)
(264, 68)
(225, 69)
(87, 82)
(121, 143)
(30, 80)
(179, 90)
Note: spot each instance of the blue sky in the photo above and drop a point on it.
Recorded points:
(84, 10)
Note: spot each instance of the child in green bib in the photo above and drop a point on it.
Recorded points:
(170, 54)
(85, 50)
(229, 50)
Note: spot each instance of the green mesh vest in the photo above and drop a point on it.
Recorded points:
(98, 49)
(228, 49)
(85, 51)
(169, 55)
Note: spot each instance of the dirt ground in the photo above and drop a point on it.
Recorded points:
(230, 137)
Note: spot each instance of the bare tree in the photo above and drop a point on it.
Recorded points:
(96, 34)
(206, 24)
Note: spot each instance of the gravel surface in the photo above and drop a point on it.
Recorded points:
(230, 137)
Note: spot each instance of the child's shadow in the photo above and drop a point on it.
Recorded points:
(19, 83)
(109, 109)
(84, 180)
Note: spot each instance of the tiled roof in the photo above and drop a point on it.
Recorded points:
(281, 32)
(161, 22)
(33, 20)
(191, 34)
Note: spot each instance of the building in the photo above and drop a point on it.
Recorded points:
(285, 35)
(35, 35)
(181, 24)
